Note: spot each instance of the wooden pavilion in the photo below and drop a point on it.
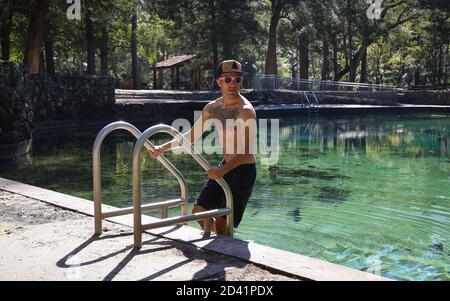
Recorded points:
(174, 63)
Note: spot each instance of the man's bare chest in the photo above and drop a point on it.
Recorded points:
(224, 115)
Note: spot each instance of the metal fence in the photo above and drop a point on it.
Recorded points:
(272, 82)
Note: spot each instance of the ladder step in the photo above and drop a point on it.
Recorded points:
(186, 218)
(147, 207)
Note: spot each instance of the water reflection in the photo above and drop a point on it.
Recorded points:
(427, 136)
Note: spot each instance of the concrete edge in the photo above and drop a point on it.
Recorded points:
(284, 262)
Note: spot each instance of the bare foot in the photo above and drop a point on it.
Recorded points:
(213, 226)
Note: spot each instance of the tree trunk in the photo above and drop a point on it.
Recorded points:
(446, 64)
(294, 65)
(349, 51)
(41, 63)
(155, 83)
(49, 52)
(104, 53)
(325, 59)
(344, 40)
(214, 41)
(335, 57)
(363, 78)
(417, 76)
(434, 68)
(303, 46)
(226, 43)
(90, 43)
(35, 34)
(134, 61)
(215, 52)
(5, 31)
(440, 64)
(354, 63)
(271, 57)
(113, 56)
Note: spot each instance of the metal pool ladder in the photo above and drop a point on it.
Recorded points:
(137, 209)
(314, 103)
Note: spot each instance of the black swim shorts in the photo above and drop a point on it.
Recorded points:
(241, 180)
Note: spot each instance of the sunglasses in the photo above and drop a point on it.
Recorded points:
(228, 80)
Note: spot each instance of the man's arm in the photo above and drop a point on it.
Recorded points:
(192, 135)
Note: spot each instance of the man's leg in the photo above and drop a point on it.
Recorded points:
(221, 225)
(198, 208)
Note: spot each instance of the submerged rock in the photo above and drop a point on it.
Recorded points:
(436, 248)
(332, 194)
(306, 173)
(296, 214)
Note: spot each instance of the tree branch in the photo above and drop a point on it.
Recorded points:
(400, 22)
(390, 6)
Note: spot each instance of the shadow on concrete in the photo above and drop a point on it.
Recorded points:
(62, 263)
(216, 262)
(135, 252)
(228, 253)
(213, 254)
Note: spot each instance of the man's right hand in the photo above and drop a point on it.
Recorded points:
(159, 150)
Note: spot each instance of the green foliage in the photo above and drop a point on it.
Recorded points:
(411, 35)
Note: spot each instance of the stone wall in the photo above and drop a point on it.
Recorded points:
(435, 97)
(72, 97)
(16, 112)
(26, 100)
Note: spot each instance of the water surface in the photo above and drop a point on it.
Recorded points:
(368, 192)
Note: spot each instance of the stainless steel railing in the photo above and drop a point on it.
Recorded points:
(137, 209)
(189, 148)
(96, 173)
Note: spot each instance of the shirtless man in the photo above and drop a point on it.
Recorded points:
(238, 167)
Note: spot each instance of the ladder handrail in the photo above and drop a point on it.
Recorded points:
(307, 99)
(137, 180)
(316, 101)
(315, 97)
(96, 169)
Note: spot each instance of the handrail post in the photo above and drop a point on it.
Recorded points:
(136, 178)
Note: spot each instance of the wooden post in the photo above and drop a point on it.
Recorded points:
(172, 78)
(154, 77)
(197, 84)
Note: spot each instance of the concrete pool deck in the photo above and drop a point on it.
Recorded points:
(45, 235)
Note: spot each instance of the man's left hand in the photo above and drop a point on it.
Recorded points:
(216, 172)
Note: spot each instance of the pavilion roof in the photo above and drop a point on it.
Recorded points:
(174, 61)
